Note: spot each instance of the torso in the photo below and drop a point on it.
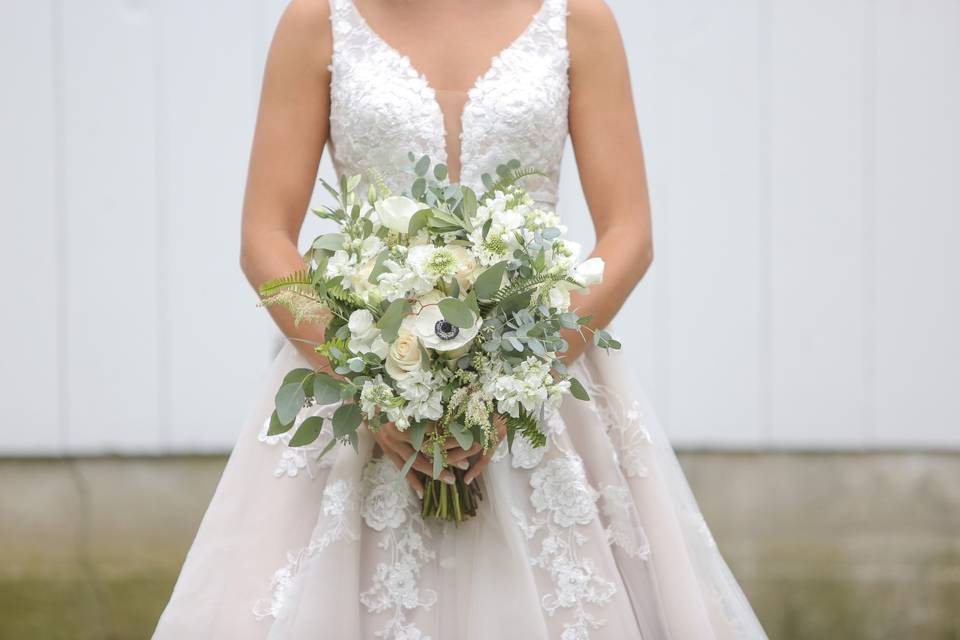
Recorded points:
(391, 98)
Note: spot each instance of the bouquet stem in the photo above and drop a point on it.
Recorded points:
(452, 502)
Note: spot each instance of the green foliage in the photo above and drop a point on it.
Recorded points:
(528, 426)
(578, 391)
(488, 283)
(507, 179)
(457, 312)
(308, 431)
(392, 319)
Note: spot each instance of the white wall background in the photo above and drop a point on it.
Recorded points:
(804, 161)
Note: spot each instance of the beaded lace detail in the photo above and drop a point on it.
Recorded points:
(382, 108)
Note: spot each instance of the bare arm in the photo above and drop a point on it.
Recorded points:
(606, 140)
(292, 128)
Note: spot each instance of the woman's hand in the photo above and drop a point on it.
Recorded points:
(396, 446)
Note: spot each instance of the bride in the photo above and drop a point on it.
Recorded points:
(594, 536)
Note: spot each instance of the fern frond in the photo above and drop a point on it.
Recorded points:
(528, 427)
(511, 179)
(301, 302)
(523, 285)
(296, 279)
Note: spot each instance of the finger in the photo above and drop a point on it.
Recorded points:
(411, 477)
(479, 466)
(424, 464)
(460, 455)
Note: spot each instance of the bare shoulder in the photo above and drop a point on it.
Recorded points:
(304, 29)
(593, 37)
(591, 19)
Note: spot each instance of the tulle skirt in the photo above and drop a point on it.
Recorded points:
(595, 536)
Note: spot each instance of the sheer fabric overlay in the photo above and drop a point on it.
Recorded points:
(596, 536)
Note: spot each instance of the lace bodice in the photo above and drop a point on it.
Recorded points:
(382, 108)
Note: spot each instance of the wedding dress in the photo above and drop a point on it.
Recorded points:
(594, 536)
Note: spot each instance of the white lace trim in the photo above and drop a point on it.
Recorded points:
(339, 499)
(563, 501)
(389, 506)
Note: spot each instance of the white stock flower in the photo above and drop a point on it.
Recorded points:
(395, 212)
(423, 394)
(341, 263)
(364, 334)
(434, 331)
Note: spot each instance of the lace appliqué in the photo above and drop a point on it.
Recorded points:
(295, 459)
(389, 507)
(627, 428)
(563, 499)
(624, 529)
(339, 499)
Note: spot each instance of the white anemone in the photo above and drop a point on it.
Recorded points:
(434, 331)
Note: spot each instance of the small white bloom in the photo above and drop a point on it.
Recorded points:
(396, 211)
(364, 334)
(590, 272)
(341, 263)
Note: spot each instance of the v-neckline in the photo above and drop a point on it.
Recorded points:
(481, 79)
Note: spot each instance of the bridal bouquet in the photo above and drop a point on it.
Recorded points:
(443, 311)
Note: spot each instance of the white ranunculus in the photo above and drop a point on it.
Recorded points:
(590, 272)
(404, 356)
(395, 212)
(434, 332)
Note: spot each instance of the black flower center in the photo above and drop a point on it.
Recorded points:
(445, 330)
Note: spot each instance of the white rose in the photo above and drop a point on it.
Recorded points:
(590, 272)
(404, 356)
(468, 268)
(395, 212)
(435, 332)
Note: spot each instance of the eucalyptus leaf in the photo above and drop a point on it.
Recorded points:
(289, 401)
(326, 390)
(440, 172)
(416, 432)
(389, 323)
(419, 188)
(346, 419)
(378, 267)
(308, 431)
(418, 221)
(577, 390)
(457, 312)
(277, 427)
(469, 203)
(408, 465)
(329, 241)
(488, 283)
(422, 165)
(463, 435)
